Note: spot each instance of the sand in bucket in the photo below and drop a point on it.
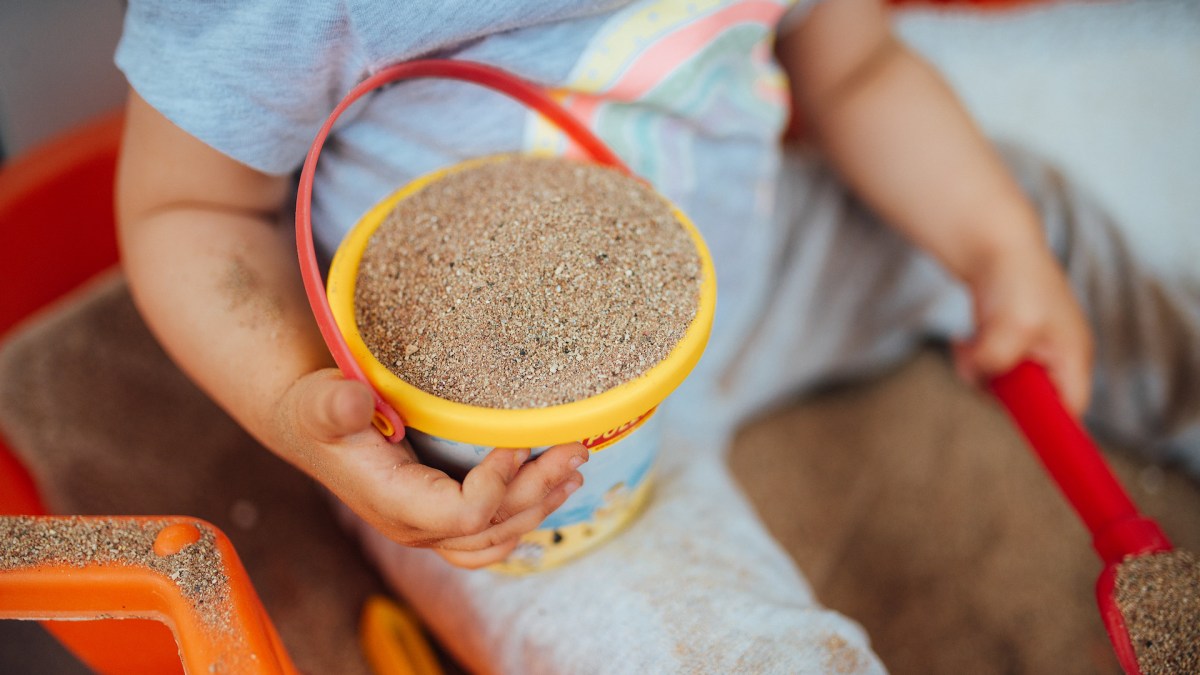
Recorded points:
(527, 283)
(520, 284)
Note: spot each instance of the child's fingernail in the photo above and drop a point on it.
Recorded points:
(520, 456)
(572, 485)
(577, 461)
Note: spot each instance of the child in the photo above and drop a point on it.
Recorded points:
(227, 98)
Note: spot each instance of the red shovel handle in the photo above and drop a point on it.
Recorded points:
(1075, 463)
(387, 420)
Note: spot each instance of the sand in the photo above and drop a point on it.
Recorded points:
(908, 500)
(137, 437)
(527, 283)
(76, 542)
(912, 505)
(1159, 598)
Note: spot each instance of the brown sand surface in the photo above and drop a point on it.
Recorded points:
(908, 500)
(74, 541)
(913, 506)
(526, 283)
(109, 426)
(1159, 599)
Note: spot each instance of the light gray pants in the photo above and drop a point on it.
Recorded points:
(697, 585)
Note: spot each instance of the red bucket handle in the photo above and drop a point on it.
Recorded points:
(386, 419)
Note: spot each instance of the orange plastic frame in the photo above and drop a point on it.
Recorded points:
(243, 641)
(56, 215)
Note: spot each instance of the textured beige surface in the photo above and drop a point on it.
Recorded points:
(108, 425)
(913, 506)
(908, 501)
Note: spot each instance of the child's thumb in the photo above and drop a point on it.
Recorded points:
(332, 407)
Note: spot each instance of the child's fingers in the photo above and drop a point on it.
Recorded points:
(539, 478)
(1067, 382)
(1070, 366)
(330, 407)
(474, 560)
(432, 506)
(518, 524)
(484, 488)
(1066, 357)
(997, 348)
(443, 513)
(411, 503)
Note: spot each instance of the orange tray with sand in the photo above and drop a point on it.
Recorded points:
(141, 620)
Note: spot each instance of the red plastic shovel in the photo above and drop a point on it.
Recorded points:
(1074, 462)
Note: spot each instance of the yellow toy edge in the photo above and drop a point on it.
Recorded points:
(503, 427)
(392, 640)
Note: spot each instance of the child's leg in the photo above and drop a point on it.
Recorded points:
(848, 297)
(695, 585)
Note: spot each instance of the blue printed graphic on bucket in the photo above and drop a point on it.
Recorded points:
(445, 451)
(610, 478)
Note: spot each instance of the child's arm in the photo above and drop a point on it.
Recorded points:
(901, 139)
(218, 283)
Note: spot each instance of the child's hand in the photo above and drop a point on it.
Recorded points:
(325, 422)
(1024, 309)
(220, 289)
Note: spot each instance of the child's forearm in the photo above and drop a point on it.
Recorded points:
(901, 139)
(219, 285)
(214, 277)
(221, 293)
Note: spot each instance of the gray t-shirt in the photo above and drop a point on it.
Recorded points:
(686, 92)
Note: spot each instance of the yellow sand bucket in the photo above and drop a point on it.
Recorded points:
(617, 425)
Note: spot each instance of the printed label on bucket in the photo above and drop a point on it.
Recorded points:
(601, 441)
(616, 486)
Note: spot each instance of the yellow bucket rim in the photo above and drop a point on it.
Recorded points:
(502, 427)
